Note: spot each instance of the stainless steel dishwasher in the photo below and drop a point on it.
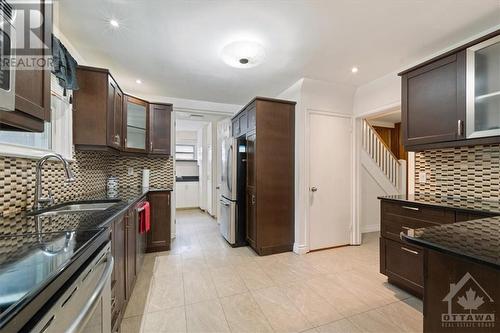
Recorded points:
(84, 306)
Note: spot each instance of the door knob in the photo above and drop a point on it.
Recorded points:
(314, 189)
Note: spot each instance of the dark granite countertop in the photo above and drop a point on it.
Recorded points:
(24, 223)
(457, 203)
(478, 240)
(26, 242)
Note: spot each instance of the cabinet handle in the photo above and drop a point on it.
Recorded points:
(410, 208)
(406, 228)
(253, 199)
(408, 250)
(460, 128)
(168, 199)
(151, 146)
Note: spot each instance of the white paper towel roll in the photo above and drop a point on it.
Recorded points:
(145, 178)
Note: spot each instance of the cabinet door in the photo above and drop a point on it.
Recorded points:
(115, 114)
(433, 102)
(251, 192)
(130, 252)
(236, 127)
(159, 125)
(118, 282)
(33, 86)
(136, 125)
(158, 237)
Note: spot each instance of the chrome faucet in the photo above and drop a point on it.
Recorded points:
(40, 200)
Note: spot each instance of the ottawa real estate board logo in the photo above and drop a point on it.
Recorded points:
(469, 305)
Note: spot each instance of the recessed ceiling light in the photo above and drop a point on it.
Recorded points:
(114, 23)
(354, 69)
(138, 81)
(243, 54)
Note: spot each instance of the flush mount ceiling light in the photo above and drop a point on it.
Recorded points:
(354, 70)
(138, 81)
(114, 23)
(243, 54)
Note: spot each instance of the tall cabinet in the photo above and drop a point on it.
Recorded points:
(268, 125)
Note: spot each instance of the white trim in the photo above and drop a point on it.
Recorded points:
(307, 185)
(12, 150)
(370, 228)
(300, 249)
(173, 198)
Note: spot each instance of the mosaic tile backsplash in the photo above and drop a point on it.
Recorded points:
(472, 172)
(17, 177)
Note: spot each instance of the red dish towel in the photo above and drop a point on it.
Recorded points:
(144, 218)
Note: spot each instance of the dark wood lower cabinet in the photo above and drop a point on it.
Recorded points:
(131, 234)
(158, 237)
(118, 277)
(401, 262)
(456, 287)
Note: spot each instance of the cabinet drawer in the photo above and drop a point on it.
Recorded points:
(393, 225)
(423, 213)
(404, 264)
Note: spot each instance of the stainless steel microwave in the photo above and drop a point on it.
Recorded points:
(7, 54)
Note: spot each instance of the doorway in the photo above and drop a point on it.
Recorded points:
(330, 179)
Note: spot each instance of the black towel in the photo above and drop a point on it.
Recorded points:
(64, 65)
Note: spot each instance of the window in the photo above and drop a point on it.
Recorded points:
(56, 137)
(185, 152)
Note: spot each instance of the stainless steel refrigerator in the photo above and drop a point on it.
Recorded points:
(232, 200)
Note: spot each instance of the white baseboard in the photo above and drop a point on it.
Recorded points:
(300, 249)
(370, 228)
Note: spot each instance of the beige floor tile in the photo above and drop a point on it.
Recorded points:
(342, 299)
(166, 321)
(198, 286)
(206, 317)
(243, 314)
(374, 321)
(280, 311)
(340, 326)
(131, 325)
(254, 277)
(313, 306)
(165, 293)
(138, 301)
(227, 281)
(403, 316)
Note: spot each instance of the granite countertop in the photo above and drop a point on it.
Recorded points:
(457, 203)
(24, 223)
(478, 240)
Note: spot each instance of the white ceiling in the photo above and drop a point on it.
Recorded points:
(173, 46)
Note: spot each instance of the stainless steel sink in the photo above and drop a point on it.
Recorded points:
(77, 208)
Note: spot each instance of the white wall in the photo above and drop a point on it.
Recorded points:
(369, 216)
(311, 95)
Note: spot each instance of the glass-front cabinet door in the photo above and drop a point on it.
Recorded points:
(135, 124)
(483, 89)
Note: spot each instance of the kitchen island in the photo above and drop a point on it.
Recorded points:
(461, 275)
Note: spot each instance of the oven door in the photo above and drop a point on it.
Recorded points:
(85, 306)
(7, 71)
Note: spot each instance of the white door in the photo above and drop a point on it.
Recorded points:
(330, 180)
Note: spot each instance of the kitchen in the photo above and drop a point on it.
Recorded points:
(173, 169)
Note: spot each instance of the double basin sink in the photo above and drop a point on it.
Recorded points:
(74, 208)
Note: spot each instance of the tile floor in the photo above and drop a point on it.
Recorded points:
(203, 285)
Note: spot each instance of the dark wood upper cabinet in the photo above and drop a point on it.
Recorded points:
(105, 118)
(452, 100)
(32, 101)
(135, 125)
(160, 118)
(433, 101)
(115, 115)
(97, 116)
(158, 237)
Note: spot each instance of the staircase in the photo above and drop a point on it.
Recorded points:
(379, 160)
